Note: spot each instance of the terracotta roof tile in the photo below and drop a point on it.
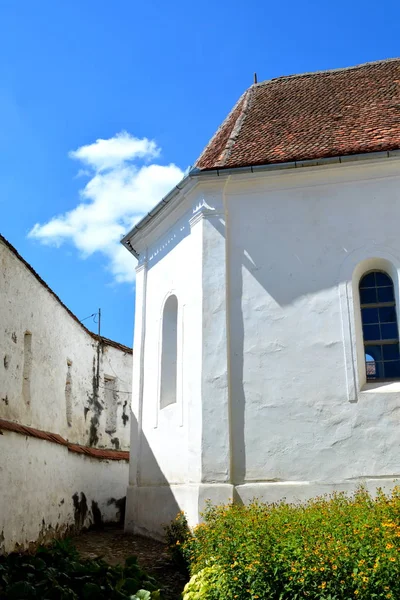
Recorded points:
(314, 115)
(101, 453)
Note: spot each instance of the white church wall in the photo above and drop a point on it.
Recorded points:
(165, 457)
(296, 239)
(273, 399)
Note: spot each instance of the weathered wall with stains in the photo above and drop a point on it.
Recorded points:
(58, 377)
(49, 365)
(47, 491)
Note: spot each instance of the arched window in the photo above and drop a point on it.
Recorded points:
(379, 322)
(169, 352)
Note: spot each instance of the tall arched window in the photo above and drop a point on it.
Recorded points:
(169, 352)
(379, 322)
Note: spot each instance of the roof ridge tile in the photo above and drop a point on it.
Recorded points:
(235, 131)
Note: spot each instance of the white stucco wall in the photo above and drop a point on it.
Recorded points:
(48, 369)
(58, 343)
(273, 397)
(47, 491)
(300, 413)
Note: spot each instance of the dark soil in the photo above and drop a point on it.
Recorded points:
(114, 546)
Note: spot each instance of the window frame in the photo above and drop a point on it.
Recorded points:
(378, 305)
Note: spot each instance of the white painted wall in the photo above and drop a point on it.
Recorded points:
(48, 366)
(38, 480)
(56, 340)
(299, 414)
(273, 395)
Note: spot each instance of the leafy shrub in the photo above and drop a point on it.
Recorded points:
(203, 584)
(336, 547)
(58, 573)
(177, 534)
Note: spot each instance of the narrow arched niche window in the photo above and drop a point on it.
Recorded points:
(169, 352)
(380, 329)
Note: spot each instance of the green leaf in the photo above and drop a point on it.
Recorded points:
(20, 590)
(130, 585)
(131, 560)
(38, 563)
(91, 591)
(141, 595)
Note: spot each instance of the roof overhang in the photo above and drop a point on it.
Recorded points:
(194, 174)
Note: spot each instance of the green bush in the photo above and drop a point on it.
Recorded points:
(333, 548)
(203, 584)
(177, 534)
(58, 573)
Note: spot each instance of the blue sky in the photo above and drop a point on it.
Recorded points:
(165, 73)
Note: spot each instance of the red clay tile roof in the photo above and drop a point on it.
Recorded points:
(104, 340)
(315, 115)
(101, 453)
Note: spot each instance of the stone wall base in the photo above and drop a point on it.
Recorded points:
(150, 508)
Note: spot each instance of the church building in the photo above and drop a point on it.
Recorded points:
(266, 350)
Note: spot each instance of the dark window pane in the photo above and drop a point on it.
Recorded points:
(375, 352)
(392, 369)
(368, 280)
(370, 315)
(385, 294)
(386, 314)
(391, 352)
(371, 332)
(368, 296)
(382, 279)
(389, 332)
(380, 373)
(382, 361)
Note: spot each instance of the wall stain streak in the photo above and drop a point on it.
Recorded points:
(80, 510)
(96, 407)
(115, 442)
(125, 417)
(97, 517)
(120, 505)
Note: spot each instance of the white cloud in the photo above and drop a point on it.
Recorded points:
(123, 186)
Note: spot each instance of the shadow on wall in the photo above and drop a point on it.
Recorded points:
(274, 253)
(150, 500)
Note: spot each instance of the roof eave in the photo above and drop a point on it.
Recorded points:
(195, 173)
(182, 186)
